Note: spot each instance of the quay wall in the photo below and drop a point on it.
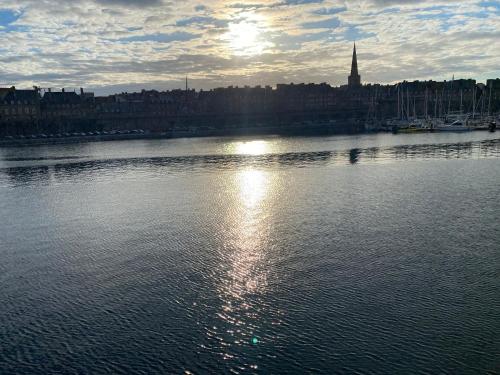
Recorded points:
(290, 122)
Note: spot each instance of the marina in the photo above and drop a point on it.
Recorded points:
(477, 117)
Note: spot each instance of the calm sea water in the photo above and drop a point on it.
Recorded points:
(374, 254)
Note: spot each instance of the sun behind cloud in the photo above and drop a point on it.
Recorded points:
(246, 36)
(127, 45)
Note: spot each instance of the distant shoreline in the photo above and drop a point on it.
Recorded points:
(315, 130)
(79, 139)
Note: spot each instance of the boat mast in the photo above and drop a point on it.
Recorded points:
(426, 114)
(399, 110)
(461, 100)
(402, 104)
(436, 104)
(407, 103)
(414, 107)
(482, 103)
(474, 102)
(449, 94)
(489, 100)
(441, 108)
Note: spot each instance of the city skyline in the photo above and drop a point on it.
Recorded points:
(122, 45)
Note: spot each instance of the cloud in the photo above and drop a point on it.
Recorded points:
(131, 3)
(160, 38)
(329, 23)
(110, 44)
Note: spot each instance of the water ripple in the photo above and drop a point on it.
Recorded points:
(195, 163)
(271, 263)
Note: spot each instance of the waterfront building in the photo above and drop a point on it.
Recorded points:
(493, 83)
(19, 111)
(286, 105)
(65, 104)
(18, 105)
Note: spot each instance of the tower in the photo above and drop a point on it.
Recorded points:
(354, 79)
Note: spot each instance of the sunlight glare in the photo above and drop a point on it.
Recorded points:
(253, 185)
(252, 148)
(246, 37)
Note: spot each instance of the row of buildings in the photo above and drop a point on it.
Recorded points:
(31, 111)
(28, 105)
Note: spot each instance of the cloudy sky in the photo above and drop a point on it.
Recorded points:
(124, 45)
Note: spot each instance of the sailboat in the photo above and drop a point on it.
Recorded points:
(456, 121)
(459, 124)
(404, 123)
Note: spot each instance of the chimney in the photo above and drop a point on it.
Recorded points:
(63, 89)
(81, 91)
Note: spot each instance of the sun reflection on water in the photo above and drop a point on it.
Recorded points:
(246, 263)
(249, 236)
(253, 187)
(252, 148)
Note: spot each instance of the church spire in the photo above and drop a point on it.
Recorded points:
(354, 65)
(354, 79)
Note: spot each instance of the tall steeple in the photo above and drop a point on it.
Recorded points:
(354, 79)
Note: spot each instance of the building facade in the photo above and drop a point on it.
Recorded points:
(18, 105)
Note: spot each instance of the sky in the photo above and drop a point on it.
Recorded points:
(112, 46)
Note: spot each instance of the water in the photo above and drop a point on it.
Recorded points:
(361, 254)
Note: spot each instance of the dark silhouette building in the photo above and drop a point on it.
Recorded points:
(354, 79)
(18, 104)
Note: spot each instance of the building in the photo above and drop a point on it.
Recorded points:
(19, 111)
(67, 104)
(354, 79)
(493, 83)
(19, 105)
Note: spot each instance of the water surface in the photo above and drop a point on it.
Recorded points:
(358, 254)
